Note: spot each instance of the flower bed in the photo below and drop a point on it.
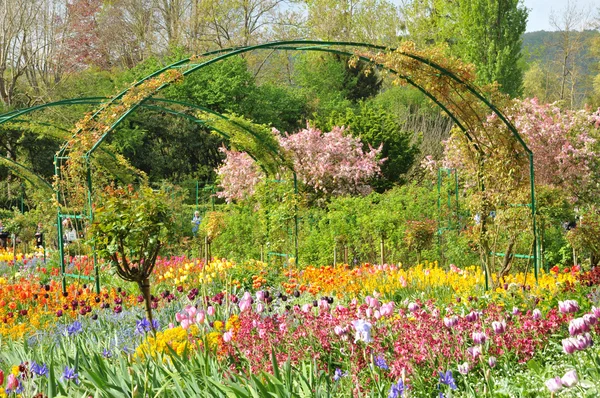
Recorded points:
(225, 329)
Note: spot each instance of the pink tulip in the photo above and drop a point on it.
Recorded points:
(260, 308)
(227, 337)
(12, 383)
(185, 323)
(306, 308)
(402, 281)
(590, 319)
(537, 314)
(244, 305)
(191, 310)
(178, 317)
(377, 314)
(554, 385)
(387, 309)
(479, 337)
(260, 295)
(475, 351)
(210, 310)
(449, 322)
(499, 327)
(570, 379)
(323, 305)
(200, 317)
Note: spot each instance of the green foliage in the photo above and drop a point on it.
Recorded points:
(331, 83)
(352, 223)
(255, 139)
(168, 148)
(130, 228)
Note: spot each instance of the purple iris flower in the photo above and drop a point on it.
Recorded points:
(69, 374)
(397, 390)
(381, 363)
(447, 379)
(39, 370)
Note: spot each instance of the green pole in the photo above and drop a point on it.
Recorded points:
(91, 219)
(296, 217)
(439, 215)
(212, 197)
(197, 195)
(22, 194)
(536, 242)
(449, 174)
(61, 251)
(457, 204)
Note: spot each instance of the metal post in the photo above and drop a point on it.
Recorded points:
(197, 195)
(91, 220)
(533, 216)
(439, 215)
(457, 204)
(296, 217)
(61, 251)
(22, 206)
(212, 197)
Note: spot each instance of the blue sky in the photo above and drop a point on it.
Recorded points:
(539, 11)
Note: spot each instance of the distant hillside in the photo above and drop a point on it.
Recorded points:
(545, 48)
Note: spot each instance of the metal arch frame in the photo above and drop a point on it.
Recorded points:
(313, 45)
(12, 117)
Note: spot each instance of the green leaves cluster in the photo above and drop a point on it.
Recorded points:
(130, 228)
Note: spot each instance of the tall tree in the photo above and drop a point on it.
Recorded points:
(570, 24)
(374, 21)
(485, 32)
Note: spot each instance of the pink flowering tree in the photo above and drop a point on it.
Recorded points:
(562, 143)
(565, 159)
(238, 176)
(331, 163)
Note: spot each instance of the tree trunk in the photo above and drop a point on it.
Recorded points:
(508, 259)
(145, 289)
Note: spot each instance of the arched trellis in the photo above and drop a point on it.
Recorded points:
(454, 94)
(156, 104)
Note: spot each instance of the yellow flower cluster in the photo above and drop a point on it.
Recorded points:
(233, 323)
(166, 342)
(193, 272)
(427, 278)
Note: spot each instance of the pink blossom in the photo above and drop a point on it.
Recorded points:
(12, 383)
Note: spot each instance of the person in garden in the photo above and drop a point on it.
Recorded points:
(196, 220)
(70, 235)
(39, 236)
(3, 236)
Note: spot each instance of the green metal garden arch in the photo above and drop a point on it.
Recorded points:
(192, 64)
(156, 104)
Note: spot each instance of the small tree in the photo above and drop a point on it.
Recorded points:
(128, 232)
